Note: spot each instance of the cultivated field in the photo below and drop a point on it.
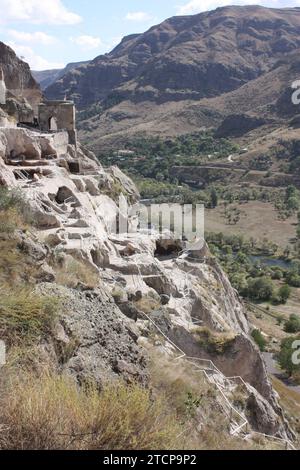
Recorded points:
(258, 220)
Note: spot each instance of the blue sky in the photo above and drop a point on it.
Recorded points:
(52, 33)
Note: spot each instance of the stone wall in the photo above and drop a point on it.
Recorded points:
(63, 113)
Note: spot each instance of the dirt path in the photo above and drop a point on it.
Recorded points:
(273, 369)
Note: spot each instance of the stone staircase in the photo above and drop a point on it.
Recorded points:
(225, 386)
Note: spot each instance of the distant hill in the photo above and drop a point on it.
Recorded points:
(47, 77)
(187, 72)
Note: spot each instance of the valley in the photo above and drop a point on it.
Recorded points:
(118, 334)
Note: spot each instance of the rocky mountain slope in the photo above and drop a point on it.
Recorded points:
(18, 78)
(132, 301)
(188, 57)
(182, 74)
(46, 77)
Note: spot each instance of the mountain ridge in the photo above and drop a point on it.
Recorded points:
(186, 73)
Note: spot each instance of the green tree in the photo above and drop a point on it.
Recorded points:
(291, 191)
(284, 293)
(213, 198)
(260, 289)
(293, 203)
(259, 339)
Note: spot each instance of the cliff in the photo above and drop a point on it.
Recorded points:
(19, 81)
(125, 301)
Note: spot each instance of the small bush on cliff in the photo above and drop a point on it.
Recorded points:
(52, 412)
(213, 342)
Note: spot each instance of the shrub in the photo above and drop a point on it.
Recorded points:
(284, 293)
(24, 315)
(13, 212)
(148, 304)
(277, 274)
(260, 289)
(259, 339)
(293, 279)
(293, 324)
(52, 412)
(212, 342)
(10, 199)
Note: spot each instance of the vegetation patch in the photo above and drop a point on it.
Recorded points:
(25, 316)
(212, 342)
(72, 272)
(51, 412)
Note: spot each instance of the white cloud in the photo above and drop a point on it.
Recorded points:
(37, 12)
(138, 16)
(37, 37)
(35, 61)
(87, 42)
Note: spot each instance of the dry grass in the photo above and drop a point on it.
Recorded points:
(10, 220)
(194, 400)
(214, 342)
(52, 412)
(148, 304)
(24, 316)
(73, 272)
(290, 401)
(260, 222)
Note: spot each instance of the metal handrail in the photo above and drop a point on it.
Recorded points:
(245, 422)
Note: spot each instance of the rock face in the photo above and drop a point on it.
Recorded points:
(188, 57)
(237, 125)
(93, 340)
(18, 79)
(46, 77)
(100, 329)
(186, 74)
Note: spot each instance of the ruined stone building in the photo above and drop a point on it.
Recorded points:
(58, 116)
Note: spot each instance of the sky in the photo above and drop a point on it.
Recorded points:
(51, 33)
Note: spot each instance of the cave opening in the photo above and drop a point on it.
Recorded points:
(167, 248)
(63, 194)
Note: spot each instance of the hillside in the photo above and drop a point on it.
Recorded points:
(156, 82)
(117, 337)
(46, 77)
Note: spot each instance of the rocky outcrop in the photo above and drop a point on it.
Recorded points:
(19, 82)
(93, 340)
(237, 125)
(100, 329)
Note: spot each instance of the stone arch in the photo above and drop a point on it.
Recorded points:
(52, 123)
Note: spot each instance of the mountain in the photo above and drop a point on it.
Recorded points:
(18, 78)
(177, 76)
(46, 77)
